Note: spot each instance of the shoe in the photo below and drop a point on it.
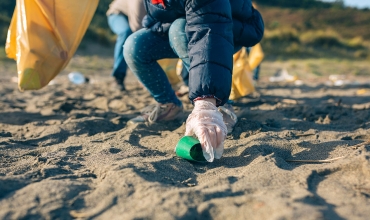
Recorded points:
(229, 116)
(158, 112)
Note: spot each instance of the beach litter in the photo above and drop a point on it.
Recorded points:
(361, 91)
(77, 78)
(337, 80)
(342, 80)
(282, 76)
(189, 148)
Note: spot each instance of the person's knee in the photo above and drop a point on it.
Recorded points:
(130, 48)
(124, 33)
(119, 24)
(177, 26)
(135, 47)
(177, 37)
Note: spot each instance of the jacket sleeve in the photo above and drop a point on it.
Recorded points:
(209, 29)
(158, 19)
(248, 32)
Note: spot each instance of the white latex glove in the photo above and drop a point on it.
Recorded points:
(205, 121)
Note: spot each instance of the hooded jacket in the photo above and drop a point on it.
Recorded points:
(213, 27)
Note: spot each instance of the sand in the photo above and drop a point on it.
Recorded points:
(66, 151)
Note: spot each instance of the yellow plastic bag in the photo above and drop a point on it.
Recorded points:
(242, 82)
(256, 56)
(169, 67)
(44, 35)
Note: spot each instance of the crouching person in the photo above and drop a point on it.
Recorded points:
(204, 34)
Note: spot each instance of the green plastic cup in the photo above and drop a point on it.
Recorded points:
(189, 148)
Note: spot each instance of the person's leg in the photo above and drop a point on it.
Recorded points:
(141, 51)
(185, 75)
(256, 73)
(118, 23)
(179, 43)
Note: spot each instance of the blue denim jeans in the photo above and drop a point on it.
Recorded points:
(118, 23)
(144, 47)
(141, 51)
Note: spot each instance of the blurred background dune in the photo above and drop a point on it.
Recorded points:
(294, 29)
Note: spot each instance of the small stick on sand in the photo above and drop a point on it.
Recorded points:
(360, 144)
(302, 135)
(315, 161)
(329, 160)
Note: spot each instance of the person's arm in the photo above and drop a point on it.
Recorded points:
(209, 29)
(158, 19)
(136, 15)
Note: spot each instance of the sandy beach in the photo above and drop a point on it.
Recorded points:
(299, 151)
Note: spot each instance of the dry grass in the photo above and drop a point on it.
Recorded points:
(313, 70)
(316, 33)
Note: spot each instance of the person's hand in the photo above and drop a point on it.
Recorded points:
(160, 27)
(155, 26)
(148, 21)
(206, 123)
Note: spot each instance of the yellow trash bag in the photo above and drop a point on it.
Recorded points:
(44, 35)
(256, 56)
(242, 82)
(169, 67)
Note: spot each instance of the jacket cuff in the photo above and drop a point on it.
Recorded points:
(218, 101)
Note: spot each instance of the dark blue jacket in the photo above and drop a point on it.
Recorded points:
(213, 27)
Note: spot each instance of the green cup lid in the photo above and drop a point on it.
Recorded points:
(189, 148)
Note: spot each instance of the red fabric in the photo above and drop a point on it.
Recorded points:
(156, 2)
